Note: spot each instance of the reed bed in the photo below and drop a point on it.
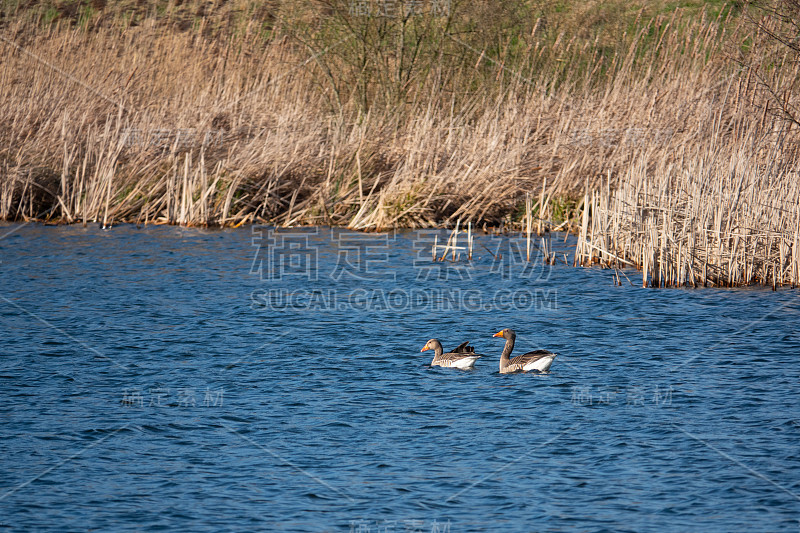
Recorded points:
(680, 135)
(151, 125)
(722, 207)
(727, 217)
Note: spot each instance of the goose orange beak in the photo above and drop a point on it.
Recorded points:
(424, 348)
(498, 334)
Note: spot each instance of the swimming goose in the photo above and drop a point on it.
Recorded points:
(536, 360)
(462, 357)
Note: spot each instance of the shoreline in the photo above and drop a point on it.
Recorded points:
(657, 139)
(625, 273)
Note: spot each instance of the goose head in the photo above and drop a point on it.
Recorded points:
(507, 334)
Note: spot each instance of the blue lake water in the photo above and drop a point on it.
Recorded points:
(254, 380)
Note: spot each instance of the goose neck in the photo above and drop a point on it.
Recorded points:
(507, 349)
(437, 349)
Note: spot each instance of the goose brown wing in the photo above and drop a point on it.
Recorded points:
(447, 359)
(529, 357)
(463, 348)
(514, 367)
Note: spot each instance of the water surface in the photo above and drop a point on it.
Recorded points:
(172, 378)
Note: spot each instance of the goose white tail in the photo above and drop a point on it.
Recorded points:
(542, 365)
(466, 362)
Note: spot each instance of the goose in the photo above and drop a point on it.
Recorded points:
(463, 356)
(536, 360)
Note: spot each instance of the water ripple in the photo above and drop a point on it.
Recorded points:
(141, 390)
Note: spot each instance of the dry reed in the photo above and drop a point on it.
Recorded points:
(723, 217)
(685, 172)
(153, 126)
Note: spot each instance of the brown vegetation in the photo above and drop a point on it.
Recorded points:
(694, 175)
(724, 209)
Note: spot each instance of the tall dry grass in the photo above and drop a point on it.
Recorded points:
(145, 124)
(723, 208)
(728, 216)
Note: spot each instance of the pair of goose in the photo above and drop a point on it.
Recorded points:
(464, 356)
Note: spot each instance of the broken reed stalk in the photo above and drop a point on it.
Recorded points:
(446, 247)
(455, 239)
(540, 229)
(528, 224)
(456, 249)
(469, 241)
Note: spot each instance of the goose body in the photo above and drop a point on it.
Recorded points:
(538, 360)
(463, 356)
